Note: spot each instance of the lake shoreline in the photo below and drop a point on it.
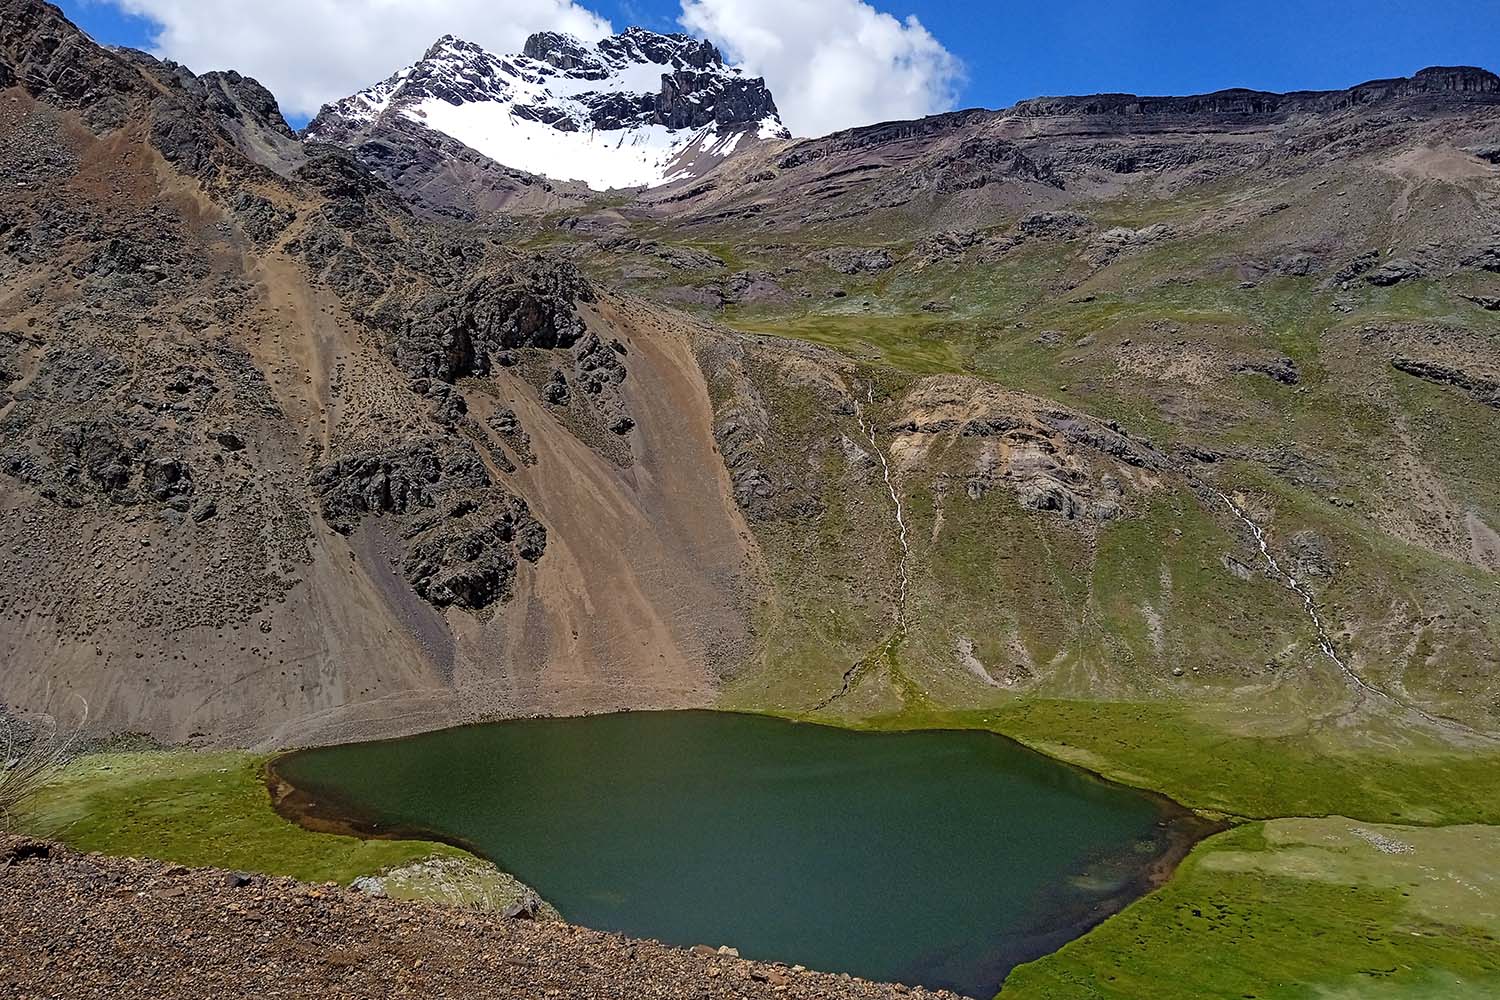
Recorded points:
(1178, 830)
(236, 931)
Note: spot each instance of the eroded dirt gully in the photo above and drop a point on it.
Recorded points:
(641, 598)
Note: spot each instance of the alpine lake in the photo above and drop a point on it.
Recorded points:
(933, 858)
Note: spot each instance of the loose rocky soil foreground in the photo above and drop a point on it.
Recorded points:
(85, 925)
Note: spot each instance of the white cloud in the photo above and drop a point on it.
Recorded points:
(832, 64)
(309, 52)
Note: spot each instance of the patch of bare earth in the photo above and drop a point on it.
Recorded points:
(89, 926)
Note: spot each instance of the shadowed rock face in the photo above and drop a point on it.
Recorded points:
(460, 532)
(693, 100)
(568, 53)
(243, 109)
(40, 50)
(243, 97)
(562, 51)
(1483, 390)
(449, 336)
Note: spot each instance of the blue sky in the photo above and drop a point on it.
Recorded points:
(1012, 50)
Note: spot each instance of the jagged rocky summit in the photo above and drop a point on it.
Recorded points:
(637, 109)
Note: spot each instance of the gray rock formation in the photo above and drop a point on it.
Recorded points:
(1393, 272)
(1482, 389)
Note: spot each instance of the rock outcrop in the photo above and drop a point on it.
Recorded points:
(1482, 389)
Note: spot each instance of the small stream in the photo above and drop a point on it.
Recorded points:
(856, 670)
(1361, 686)
(869, 431)
(1325, 642)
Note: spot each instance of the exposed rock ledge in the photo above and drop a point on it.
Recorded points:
(86, 925)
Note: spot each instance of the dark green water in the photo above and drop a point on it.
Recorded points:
(932, 858)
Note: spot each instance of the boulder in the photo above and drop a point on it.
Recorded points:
(556, 389)
(1484, 258)
(527, 907)
(1282, 369)
(856, 260)
(1112, 243)
(1393, 272)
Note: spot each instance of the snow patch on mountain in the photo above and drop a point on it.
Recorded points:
(602, 159)
(638, 109)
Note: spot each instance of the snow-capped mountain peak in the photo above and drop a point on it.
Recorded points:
(634, 109)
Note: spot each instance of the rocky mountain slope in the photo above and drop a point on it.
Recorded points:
(278, 456)
(638, 109)
(1109, 402)
(983, 167)
(1158, 433)
(1108, 346)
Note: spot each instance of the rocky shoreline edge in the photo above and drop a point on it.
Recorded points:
(83, 925)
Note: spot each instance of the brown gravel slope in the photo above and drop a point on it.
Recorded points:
(85, 925)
